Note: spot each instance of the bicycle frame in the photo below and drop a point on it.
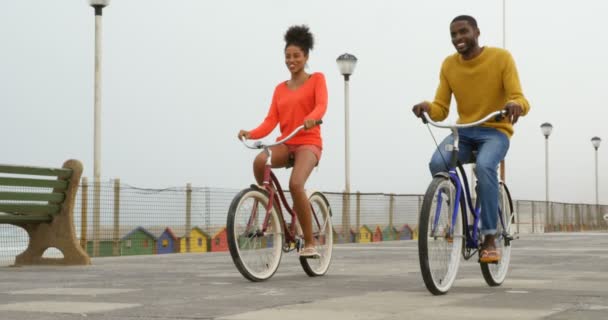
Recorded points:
(272, 186)
(472, 237)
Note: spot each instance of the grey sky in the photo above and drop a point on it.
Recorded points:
(180, 78)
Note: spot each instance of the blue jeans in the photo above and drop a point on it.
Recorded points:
(492, 146)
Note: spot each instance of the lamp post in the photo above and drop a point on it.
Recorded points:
(346, 65)
(98, 6)
(596, 144)
(546, 128)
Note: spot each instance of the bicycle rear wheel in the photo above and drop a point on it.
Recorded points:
(440, 239)
(256, 253)
(322, 231)
(495, 273)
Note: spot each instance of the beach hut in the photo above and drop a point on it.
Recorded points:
(106, 247)
(139, 241)
(167, 242)
(197, 239)
(338, 236)
(353, 236)
(390, 233)
(377, 236)
(219, 241)
(406, 233)
(364, 235)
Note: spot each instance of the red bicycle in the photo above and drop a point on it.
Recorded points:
(258, 233)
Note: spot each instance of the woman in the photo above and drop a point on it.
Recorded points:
(300, 100)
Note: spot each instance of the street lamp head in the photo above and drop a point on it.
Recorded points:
(99, 3)
(596, 142)
(546, 128)
(346, 64)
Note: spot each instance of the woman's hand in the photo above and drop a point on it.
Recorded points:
(243, 134)
(309, 123)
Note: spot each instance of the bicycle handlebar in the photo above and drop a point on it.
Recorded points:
(260, 145)
(496, 114)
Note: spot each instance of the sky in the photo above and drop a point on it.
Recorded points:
(180, 78)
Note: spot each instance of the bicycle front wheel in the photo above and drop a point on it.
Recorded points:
(255, 252)
(440, 236)
(322, 231)
(495, 273)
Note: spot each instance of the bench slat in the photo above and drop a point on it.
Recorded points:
(30, 209)
(31, 196)
(38, 183)
(36, 171)
(10, 218)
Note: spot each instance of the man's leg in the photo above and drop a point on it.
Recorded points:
(492, 148)
(441, 157)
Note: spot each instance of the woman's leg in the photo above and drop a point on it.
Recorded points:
(305, 161)
(280, 158)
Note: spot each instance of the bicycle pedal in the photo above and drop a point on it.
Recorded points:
(493, 262)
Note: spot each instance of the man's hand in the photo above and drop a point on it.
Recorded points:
(309, 123)
(421, 108)
(514, 110)
(243, 134)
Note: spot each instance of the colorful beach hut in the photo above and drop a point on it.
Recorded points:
(219, 242)
(353, 236)
(139, 241)
(390, 233)
(167, 242)
(377, 236)
(106, 248)
(197, 239)
(406, 233)
(364, 235)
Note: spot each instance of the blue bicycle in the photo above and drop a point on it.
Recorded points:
(449, 225)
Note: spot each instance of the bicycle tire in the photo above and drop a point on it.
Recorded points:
(257, 256)
(323, 234)
(439, 252)
(495, 273)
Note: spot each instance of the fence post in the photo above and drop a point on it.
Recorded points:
(207, 209)
(116, 232)
(533, 216)
(391, 211)
(96, 216)
(346, 215)
(598, 216)
(188, 214)
(84, 217)
(517, 217)
(358, 218)
(577, 217)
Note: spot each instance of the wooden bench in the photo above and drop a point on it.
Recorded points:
(44, 208)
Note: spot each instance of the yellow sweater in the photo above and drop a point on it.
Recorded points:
(480, 86)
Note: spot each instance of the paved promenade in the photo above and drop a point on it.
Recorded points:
(553, 276)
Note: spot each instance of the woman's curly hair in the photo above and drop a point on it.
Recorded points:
(299, 36)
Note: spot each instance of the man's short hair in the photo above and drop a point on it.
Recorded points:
(466, 18)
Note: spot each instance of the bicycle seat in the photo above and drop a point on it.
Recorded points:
(292, 160)
(474, 155)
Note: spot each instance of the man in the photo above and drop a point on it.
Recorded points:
(482, 80)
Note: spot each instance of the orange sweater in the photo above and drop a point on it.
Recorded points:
(290, 108)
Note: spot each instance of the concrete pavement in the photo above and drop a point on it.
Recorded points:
(552, 276)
